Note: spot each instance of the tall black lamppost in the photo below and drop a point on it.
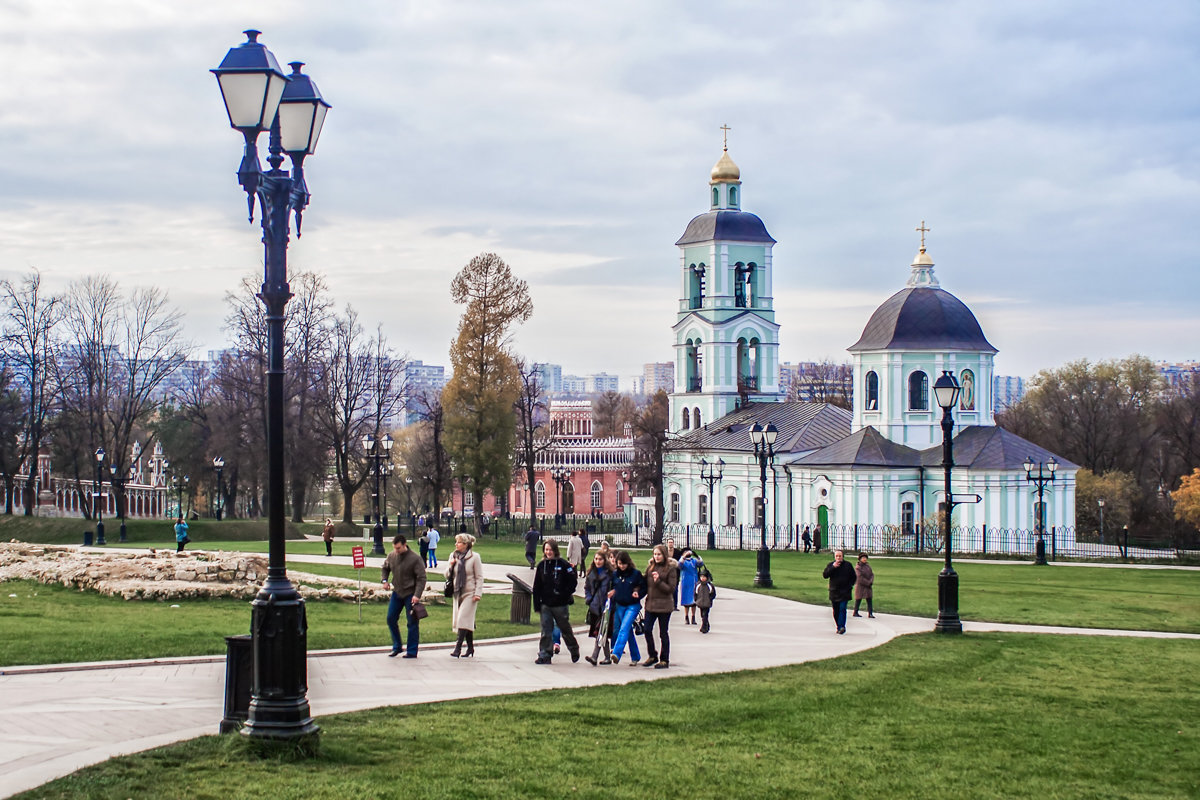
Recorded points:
(180, 483)
(560, 476)
(711, 474)
(98, 496)
(219, 466)
(763, 438)
(385, 471)
(259, 97)
(1100, 502)
(945, 391)
(371, 445)
(117, 482)
(1045, 474)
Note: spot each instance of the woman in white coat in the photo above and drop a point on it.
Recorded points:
(465, 569)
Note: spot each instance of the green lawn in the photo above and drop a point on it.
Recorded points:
(52, 624)
(980, 716)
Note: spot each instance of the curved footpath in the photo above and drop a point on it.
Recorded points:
(55, 719)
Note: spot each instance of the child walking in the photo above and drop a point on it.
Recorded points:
(705, 594)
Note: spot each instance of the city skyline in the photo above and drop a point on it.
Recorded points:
(1050, 150)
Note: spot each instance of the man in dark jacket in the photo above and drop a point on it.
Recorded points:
(553, 592)
(531, 540)
(841, 585)
(407, 573)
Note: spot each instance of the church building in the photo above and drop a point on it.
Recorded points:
(870, 476)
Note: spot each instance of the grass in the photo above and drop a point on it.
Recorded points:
(52, 624)
(148, 532)
(979, 716)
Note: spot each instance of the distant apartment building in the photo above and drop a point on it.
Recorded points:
(574, 385)
(1007, 390)
(658, 376)
(423, 382)
(603, 382)
(1179, 374)
(550, 377)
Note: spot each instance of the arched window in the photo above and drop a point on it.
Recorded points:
(731, 510)
(696, 286)
(702, 517)
(696, 416)
(872, 392)
(596, 506)
(568, 498)
(674, 506)
(918, 392)
(620, 493)
(716, 197)
(732, 196)
(758, 513)
(687, 418)
(539, 493)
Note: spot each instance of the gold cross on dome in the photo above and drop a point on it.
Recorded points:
(923, 230)
(725, 136)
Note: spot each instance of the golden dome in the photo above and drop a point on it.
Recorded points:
(922, 259)
(725, 171)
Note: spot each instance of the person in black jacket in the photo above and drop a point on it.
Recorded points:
(553, 592)
(841, 585)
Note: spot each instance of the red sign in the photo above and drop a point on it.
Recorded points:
(359, 561)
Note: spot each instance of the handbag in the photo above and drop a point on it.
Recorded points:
(638, 627)
(419, 611)
(449, 589)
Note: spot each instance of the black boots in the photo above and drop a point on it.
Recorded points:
(470, 644)
(457, 651)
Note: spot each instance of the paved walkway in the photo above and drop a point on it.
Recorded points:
(56, 719)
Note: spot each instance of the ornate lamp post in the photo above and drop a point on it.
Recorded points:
(116, 481)
(711, 474)
(180, 483)
(1045, 474)
(219, 466)
(560, 475)
(763, 438)
(386, 470)
(1100, 502)
(98, 496)
(370, 445)
(259, 97)
(946, 391)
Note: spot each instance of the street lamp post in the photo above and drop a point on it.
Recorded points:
(219, 466)
(98, 496)
(117, 482)
(560, 476)
(259, 97)
(180, 483)
(387, 443)
(763, 438)
(371, 445)
(946, 391)
(1100, 502)
(711, 474)
(1045, 474)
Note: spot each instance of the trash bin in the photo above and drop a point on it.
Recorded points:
(522, 601)
(87, 538)
(239, 679)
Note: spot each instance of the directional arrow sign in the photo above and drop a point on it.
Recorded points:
(963, 499)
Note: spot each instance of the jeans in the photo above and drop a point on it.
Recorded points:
(664, 621)
(839, 612)
(433, 557)
(556, 616)
(623, 617)
(393, 622)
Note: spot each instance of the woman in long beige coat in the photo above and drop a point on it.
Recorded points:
(466, 567)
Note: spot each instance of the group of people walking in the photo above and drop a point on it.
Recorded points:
(845, 580)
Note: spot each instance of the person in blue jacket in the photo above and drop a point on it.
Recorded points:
(689, 574)
(181, 534)
(628, 589)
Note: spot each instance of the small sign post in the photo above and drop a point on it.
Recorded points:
(359, 563)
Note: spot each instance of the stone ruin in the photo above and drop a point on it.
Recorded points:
(167, 575)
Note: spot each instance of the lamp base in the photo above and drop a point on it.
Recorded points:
(762, 578)
(279, 629)
(1040, 553)
(947, 618)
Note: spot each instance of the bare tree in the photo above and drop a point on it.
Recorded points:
(611, 411)
(531, 422)
(306, 335)
(824, 381)
(30, 350)
(651, 443)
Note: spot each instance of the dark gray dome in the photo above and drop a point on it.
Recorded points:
(923, 318)
(737, 226)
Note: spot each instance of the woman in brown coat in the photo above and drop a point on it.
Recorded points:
(467, 568)
(862, 586)
(662, 578)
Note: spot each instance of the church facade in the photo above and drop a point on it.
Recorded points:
(870, 477)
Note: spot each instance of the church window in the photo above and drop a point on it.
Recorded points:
(731, 510)
(908, 517)
(918, 392)
(716, 197)
(872, 391)
(758, 512)
(674, 506)
(702, 516)
(596, 506)
(733, 196)
(687, 418)
(696, 286)
(739, 285)
(539, 493)
(696, 416)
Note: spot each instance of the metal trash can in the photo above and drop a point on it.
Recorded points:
(522, 601)
(87, 538)
(239, 679)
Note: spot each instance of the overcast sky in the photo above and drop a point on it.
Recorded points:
(1053, 148)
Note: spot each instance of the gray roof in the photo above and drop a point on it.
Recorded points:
(864, 448)
(923, 318)
(991, 447)
(737, 226)
(802, 427)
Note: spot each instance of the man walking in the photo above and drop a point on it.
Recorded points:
(553, 592)
(841, 583)
(407, 575)
(531, 540)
